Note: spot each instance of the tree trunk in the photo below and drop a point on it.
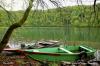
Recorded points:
(7, 35)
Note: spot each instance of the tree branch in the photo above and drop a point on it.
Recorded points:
(7, 35)
(94, 5)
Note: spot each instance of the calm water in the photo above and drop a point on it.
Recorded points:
(55, 33)
(71, 34)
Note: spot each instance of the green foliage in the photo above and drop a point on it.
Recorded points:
(73, 15)
(8, 18)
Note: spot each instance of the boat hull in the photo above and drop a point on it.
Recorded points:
(56, 55)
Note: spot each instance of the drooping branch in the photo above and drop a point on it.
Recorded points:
(8, 13)
(96, 19)
(94, 5)
(7, 35)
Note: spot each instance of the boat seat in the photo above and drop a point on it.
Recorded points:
(86, 48)
(66, 50)
(35, 50)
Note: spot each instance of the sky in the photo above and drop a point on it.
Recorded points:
(15, 5)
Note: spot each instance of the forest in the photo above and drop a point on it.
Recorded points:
(80, 15)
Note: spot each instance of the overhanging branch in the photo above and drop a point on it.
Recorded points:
(7, 35)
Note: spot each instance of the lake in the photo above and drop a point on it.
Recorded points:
(55, 33)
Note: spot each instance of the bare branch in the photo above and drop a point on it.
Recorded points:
(42, 3)
(56, 3)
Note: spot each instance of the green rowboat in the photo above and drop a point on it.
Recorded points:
(62, 53)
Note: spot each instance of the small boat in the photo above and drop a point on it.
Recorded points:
(62, 53)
